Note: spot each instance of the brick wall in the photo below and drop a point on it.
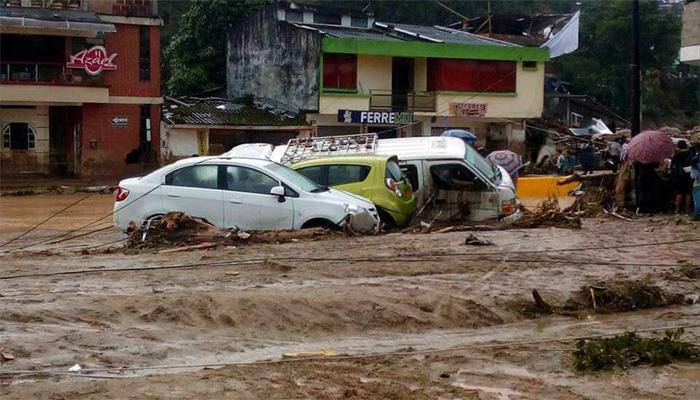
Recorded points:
(125, 80)
(114, 142)
(133, 8)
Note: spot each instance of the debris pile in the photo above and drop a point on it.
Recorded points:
(186, 232)
(547, 214)
(630, 349)
(605, 297)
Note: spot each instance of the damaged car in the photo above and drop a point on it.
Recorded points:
(246, 193)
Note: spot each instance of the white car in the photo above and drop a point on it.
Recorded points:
(251, 194)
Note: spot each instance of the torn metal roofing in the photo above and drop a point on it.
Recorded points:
(391, 32)
(27, 17)
(215, 111)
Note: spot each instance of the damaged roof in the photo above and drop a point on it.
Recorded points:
(527, 30)
(217, 111)
(393, 32)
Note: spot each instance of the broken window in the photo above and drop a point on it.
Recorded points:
(18, 136)
(410, 171)
(455, 177)
(340, 71)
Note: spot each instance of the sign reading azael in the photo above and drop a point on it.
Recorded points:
(374, 117)
(93, 60)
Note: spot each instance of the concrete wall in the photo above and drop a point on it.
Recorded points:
(273, 59)
(690, 38)
(32, 160)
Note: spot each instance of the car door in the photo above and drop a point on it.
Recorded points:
(195, 190)
(248, 203)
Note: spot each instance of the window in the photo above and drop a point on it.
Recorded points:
(313, 173)
(295, 178)
(471, 75)
(358, 22)
(145, 123)
(411, 173)
(343, 174)
(327, 19)
(144, 54)
(393, 171)
(242, 179)
(197, 176)
(294, 16)
(18, 136)
(454, 177)
(530, 65)
(340, 71)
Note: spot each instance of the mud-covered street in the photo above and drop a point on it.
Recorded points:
(398, 315)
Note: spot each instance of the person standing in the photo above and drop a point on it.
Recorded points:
(614, 152)
(587, 158)
(680, 179)
(695, 175)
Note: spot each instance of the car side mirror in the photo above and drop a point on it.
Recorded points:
(279, 192)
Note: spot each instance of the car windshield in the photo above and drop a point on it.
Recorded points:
(486, 167)
(294, 178)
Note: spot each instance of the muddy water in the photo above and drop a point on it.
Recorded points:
(18, 213)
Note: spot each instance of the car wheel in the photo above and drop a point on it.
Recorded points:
(387, 221)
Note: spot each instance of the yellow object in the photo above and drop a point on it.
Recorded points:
(542, 187)
(320, 353)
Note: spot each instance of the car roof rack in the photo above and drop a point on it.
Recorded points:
(300, 149)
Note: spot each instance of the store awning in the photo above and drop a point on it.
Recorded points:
(51, 22)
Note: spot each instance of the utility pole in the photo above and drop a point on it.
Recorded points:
(635, 72)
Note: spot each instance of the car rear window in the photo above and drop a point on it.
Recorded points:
(393, 171)
(342, 174)
(198, 176)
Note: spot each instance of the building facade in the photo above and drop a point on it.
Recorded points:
(79, 87)
(351, 74)
(690, 37)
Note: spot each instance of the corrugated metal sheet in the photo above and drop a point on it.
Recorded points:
(447, 35)
(227, 113)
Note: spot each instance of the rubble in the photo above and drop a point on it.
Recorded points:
(547, 214)
(192, 233)
(605, 297)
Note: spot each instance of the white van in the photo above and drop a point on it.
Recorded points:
(457, 181)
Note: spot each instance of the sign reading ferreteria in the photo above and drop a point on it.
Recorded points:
(477, 110)
(375, 117)
(93, 60)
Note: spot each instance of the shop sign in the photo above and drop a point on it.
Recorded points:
(120, 121)
(202, 149)
(477, 110)
(375, 117)
(93, 60)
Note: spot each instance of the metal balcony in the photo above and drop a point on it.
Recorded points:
(45, 72)
(401, 101)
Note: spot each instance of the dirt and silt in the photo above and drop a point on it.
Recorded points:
(437, 318)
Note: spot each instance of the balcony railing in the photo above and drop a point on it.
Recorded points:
(45, 72)
(401, 101)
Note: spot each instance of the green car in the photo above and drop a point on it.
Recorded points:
(378, 178)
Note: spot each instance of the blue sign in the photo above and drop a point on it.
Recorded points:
(375, 117)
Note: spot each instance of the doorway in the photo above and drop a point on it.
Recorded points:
(401, 82)
(64, 140)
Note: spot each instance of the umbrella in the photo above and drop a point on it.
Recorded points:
(467, 136)
(510, 161)
(650, 147)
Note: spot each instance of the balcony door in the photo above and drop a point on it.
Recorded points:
(401, 82)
